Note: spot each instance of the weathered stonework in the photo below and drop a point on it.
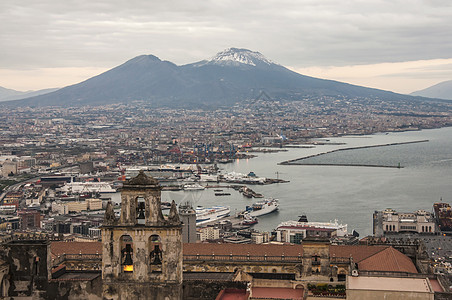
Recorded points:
(144, 240)
(29, 262)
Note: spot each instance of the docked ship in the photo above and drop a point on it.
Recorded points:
(251, 178)
(304, 224)
(263, 207)
(249, 193)
(210, 214)
(193, 187)
(87, 187)
(296, 231)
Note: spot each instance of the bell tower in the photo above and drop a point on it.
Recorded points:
(142, 250)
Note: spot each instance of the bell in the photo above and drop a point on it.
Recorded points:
(128, 262)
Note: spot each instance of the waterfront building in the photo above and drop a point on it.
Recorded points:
(296, 231)
(260, 237)
(93, 204)
(389, 221)
(208, 233)
(76, 206)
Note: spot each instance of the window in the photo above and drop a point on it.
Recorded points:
(155, 253)
(141, 207)
(126, 253)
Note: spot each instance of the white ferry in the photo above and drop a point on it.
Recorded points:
(214, 213)
(263, 207)
(251, 178)
(302, 223)
(193, 187)
(87, 187)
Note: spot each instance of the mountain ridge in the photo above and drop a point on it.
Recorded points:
(442, 90)
(230, 76)
(11, 94)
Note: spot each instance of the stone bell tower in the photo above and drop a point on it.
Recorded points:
(142, 250)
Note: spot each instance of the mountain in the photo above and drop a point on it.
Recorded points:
(442, 90)
(9, 94)
(230, 76)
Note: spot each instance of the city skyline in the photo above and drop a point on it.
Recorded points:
(390, 46)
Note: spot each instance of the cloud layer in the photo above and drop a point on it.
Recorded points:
(299, 34)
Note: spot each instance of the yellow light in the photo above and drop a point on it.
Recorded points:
(128, 268)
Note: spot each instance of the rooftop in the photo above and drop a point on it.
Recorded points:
(233, 294)
(243, 249)
(389, 284)
(276, 293)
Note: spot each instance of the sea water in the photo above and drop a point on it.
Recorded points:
(349, 194)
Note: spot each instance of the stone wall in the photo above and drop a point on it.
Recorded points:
(73, 290)
(207, 289)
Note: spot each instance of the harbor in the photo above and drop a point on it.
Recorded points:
(330, 192)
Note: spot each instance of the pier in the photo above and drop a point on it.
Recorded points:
(298, 161)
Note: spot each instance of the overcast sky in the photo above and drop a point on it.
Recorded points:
(398, 45)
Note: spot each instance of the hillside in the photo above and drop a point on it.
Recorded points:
(230, 76)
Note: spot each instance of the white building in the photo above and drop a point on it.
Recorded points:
(208, 233)
(59, 207)
(390, 221)
(93, 204)
(260, 238)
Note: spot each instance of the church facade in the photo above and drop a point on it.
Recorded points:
(142, 250)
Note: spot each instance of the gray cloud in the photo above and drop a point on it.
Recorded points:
(54, 33)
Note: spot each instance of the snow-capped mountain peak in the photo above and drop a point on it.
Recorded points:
(235, 56)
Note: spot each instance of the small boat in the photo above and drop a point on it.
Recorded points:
(249, 220)
(222, 194)
(248, 193)
(218, 190)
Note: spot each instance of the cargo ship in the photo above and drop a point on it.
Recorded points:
(443, 214)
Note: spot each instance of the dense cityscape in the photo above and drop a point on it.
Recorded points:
(227, 150)
(60, 167)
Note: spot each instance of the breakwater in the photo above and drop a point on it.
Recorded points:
(299, 161)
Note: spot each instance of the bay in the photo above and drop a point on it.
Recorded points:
(349, 194)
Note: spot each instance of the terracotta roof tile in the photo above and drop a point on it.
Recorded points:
(243, 249)
(388, 260)
(59, 248)
(276, 293)
(436, 286)
(233, 294)
(357, 252)
(371, 258)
